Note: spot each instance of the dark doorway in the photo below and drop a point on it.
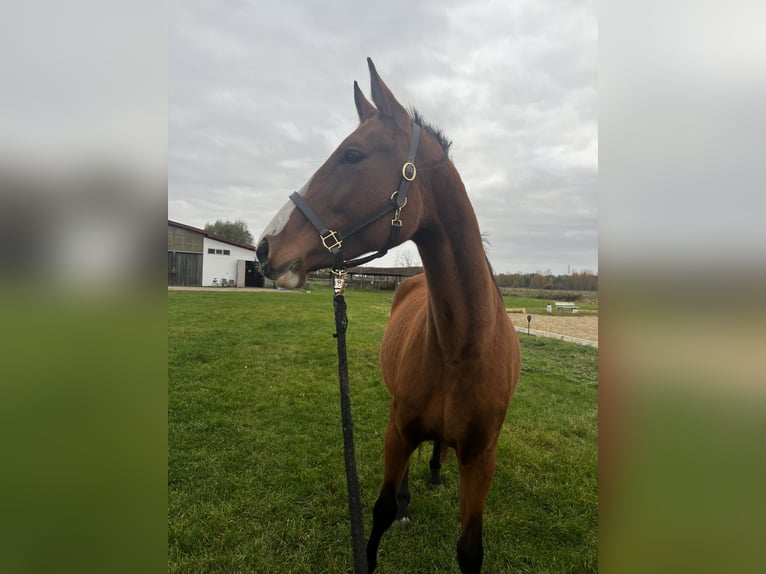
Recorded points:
(253, 277)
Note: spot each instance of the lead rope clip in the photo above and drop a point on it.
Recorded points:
(339, 281)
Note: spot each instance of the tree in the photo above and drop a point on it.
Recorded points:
(236, 231)
(537, 281)
(407, 258)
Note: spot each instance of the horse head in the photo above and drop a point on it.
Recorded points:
(349, 202)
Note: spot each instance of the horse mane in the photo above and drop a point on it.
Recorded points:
(437, 133)
(445, 143)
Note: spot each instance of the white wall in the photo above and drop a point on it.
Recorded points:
(218, 266)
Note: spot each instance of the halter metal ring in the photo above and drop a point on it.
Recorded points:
(393, 196)
(404, 171)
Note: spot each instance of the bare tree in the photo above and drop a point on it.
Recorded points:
(407, 258)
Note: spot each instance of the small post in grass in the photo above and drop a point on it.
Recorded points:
(529, 322)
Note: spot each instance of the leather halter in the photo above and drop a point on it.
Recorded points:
(333, 240)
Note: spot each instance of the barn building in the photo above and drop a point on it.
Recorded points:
(199, 258)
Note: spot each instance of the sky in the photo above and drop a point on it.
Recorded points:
(261, 92)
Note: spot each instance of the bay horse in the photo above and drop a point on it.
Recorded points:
(449, 355)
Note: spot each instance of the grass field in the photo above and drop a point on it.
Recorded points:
(538, 305)
(255, 462)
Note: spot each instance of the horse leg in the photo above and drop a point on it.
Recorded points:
(435, 464)
(403, 498)
(475, 480)
(397, 455)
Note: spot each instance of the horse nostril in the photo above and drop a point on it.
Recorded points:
(262, 251)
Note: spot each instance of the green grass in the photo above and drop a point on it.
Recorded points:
(535, 300)
(255, 463)
(537, 305)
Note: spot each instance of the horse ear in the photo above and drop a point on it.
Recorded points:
(363, 107)
(382, 96)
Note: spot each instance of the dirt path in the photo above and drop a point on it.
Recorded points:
(582, 326)
(232, 289)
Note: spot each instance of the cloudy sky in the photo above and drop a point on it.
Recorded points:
(261, 92)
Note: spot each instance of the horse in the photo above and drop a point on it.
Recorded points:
(449, 356)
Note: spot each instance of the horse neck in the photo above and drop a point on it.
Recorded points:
(463, 298)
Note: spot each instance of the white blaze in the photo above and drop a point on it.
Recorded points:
(277, 224)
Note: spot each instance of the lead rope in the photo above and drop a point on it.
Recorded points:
(352, 479)
(333, 242)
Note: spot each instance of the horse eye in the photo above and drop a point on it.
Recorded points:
(352, 156)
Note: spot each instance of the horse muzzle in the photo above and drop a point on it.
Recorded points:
(287, 275)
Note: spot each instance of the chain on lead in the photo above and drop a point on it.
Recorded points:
(339, 281)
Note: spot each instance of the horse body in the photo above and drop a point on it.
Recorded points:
(451, 360)
(449, 357)
(446, 339)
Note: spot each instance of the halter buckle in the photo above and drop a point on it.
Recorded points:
(331, 236)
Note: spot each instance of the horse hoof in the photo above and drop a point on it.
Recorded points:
(403, 520)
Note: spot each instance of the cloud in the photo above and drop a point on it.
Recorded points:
(260, 95)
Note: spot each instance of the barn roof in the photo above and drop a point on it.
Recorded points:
(390, 271)
(211, 235)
